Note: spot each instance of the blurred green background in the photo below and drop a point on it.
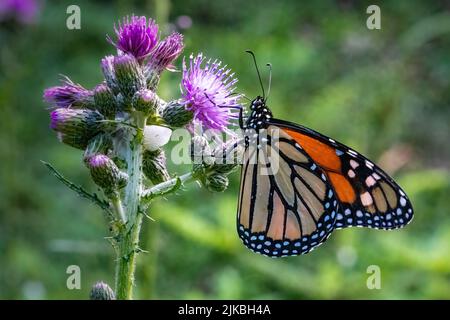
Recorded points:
(383, 92)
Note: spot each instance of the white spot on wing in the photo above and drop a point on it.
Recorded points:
(366, 199)
(403, 201)
(352, 153)
(370, 181)
(376, 176)
(351, 173)
(354, 164)
(369, 164)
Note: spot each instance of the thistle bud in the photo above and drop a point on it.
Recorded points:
(101, 291)
(162, 57)
(156, 137)
(68, 95)
(200, 151)
(199, 171)
(154, 166)
(216, 182)
(75, 127)
(145, 101)
(107, 66)
(129, 76)
(105, 101)
(106, 174)
(176, 115)
(226, 157)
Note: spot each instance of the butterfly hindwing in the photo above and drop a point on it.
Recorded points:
(368, 197)
(286, 205)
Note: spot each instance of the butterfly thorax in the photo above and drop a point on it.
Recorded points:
(259, 114)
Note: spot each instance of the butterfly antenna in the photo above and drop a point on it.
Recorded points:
(219, 106)
(247, 98)
(239, 94)
(270, 80)
(257, 71)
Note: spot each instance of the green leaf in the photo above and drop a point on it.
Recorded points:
(93, 197)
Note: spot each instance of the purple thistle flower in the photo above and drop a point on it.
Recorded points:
(75, 127)
(105, 173)
(99, 160)
(24, 11)
(166, 52)
(137, 36)
(207, 92)
(67, 95)
(101, 291)
(57, 118)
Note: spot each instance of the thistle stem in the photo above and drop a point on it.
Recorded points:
(128, 239)
(167, 187)
(126, 260)
(118, 208)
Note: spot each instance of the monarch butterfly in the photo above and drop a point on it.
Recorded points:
(320, 185)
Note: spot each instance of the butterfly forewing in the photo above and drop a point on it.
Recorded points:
(368, 197)
(286, 204)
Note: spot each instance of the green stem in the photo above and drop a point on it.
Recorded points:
(118, 208)
(126, 260)
(167, 187)
(128, 240)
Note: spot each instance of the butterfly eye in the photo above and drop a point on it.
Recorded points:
(257, 103)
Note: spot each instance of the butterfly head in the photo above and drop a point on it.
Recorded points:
(258, 103)
(259, 114)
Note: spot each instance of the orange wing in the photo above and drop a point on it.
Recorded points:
(325, 156)
(368, 196)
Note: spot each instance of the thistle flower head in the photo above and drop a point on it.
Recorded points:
(60, 118)
(200, 151)
(154, 166)
(216, 182)
(68, 95)
(166, 52)
(24, 11)
(104, 101)
(176, 115)
(75, 127)
(145, 101)
(105, 173)
(101, 291)
(99, 160)
(107, 65)
(207, 92)
(129, 75)
(136, 36)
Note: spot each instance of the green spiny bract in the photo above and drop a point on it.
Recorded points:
(154, 166)
(106, 174)
(76, 127)
(175, 114)
(145, 101)
(105, 101)
(216, 182)
(129, 77)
